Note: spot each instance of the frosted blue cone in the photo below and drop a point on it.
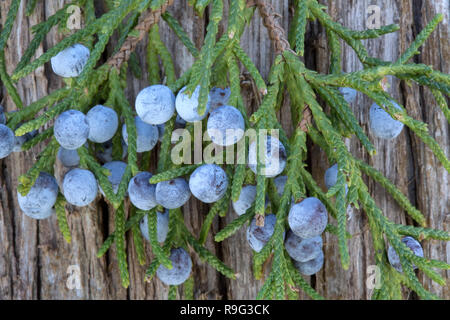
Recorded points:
(301, 249)
(411, 243)
(71, 129)
(310, 267)
(308, 218)
(218, 97)
(70, 62)
(382, 125)
(349, 94)
(187, 107)
(330, 177)
(41, 197)
(257, 237)
(7, 141)
(208, 183)
(162, 226)
(68, 158)
(155, 104)
(172, 194)
(226, 126)
(246, 199)
(103, 123)
(280, 182)
(141, 192)
(147, 135)
(80, 187)
(117, 169)
(42, 215)
(181, 268)
(275, 157)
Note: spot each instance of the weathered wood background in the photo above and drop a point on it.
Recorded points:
(34, 257)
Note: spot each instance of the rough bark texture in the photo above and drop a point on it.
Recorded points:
(34, 258)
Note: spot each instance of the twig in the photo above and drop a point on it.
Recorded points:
(146, 21)
(278, 36)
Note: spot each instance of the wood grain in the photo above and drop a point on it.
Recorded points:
(34, 256)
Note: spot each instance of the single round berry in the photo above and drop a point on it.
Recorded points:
(71, 129)
(181, 268)
(117, 169)
(155, 104)
(226, 126)
(7, 141)
(41, 197)
(303, 249)
(172, 194)
(103, 123)
(218, 97)
(330, 177)
(310, 267)
(42, 215)
(68, 158)
(147, 135)
(349, 94)
(80, 187)
(280, 182)
(162, 226)
(275, 156)
(2, 115)
(308, 218)
(187, 107)
(141, 192)
(382, 124)
(246, 199)
(411, 243)
(257, 237)
(208, 183)
(70, 61)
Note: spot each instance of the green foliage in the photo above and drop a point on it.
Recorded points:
(62, 219)
(119, 238)
(153, 235)
(217, 63)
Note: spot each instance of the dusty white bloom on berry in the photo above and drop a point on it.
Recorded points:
(155, 104)
(71, 129)
(70, 62)
(187, 107)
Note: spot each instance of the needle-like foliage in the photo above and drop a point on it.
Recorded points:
(217, 64)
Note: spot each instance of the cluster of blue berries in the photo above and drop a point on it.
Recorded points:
(381, 124)
(8, 141)
(155, 105)
(307, 221)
